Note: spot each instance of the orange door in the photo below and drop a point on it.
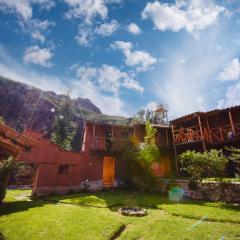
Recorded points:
(108, 171)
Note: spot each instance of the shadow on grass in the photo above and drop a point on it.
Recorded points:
(18, 206)
(2, 237)
(110, 199)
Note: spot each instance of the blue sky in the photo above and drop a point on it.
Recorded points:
(125, 55)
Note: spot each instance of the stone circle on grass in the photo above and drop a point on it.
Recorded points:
(133, 211)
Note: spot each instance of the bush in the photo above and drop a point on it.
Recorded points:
(5, 168)
(200, 165)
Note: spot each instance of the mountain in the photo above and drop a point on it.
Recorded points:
(23, 106)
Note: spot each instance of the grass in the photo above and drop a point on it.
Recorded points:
(225, 180)
(89, 216)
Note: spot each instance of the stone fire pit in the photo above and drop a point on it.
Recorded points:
(133, 211)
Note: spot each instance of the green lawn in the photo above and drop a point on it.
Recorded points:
(94, 216)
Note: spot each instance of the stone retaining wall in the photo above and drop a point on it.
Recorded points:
(211, 191)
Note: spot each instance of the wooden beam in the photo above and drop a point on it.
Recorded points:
(201, 131)
(175, 158)
(167, 141)
(209, 133)
(220, 131)
(231, 122)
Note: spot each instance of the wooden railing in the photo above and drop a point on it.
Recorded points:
(108, 144)
(184, 135)
(16, 137)
(213, 135)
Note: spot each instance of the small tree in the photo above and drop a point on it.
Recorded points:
(64, 128)
(150, 133)
(147, 154)
(5, 168)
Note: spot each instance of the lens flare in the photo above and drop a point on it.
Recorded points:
(155, 166)
(176, 194)
(198, 222)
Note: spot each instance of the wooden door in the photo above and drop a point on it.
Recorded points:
(108, 171)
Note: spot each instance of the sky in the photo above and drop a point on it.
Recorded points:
(126, 55)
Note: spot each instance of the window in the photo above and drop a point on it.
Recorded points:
(63, 169)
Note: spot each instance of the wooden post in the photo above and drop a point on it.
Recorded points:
(173, 134)
(175, 158)
(231, 122)
(209, 133)
(175, 152)
(167, 141)
(220, 130)
(201, 131)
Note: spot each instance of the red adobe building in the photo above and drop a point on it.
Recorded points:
(98, 165)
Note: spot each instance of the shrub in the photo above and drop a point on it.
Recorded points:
(200, 165)
(5, 168)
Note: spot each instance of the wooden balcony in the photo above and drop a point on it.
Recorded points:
(186, 135)
(212, 135)
(108, 144)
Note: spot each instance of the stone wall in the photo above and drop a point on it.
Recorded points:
(210, 190)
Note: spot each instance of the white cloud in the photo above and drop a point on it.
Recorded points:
(93, 82)
(152, 106)
(231, 71)
(132, 84)
(84, 36)
(106, 29)
(38, 56)
(231, 97)
(24, 7)
(191, 15)
(36, 28)
(38, 36)
(108, 104)
(134, 28)
(11, 69)
(87, 9)
(107, 78)
(140, 59)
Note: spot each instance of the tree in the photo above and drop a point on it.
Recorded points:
(5, 168)
(64, 128)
